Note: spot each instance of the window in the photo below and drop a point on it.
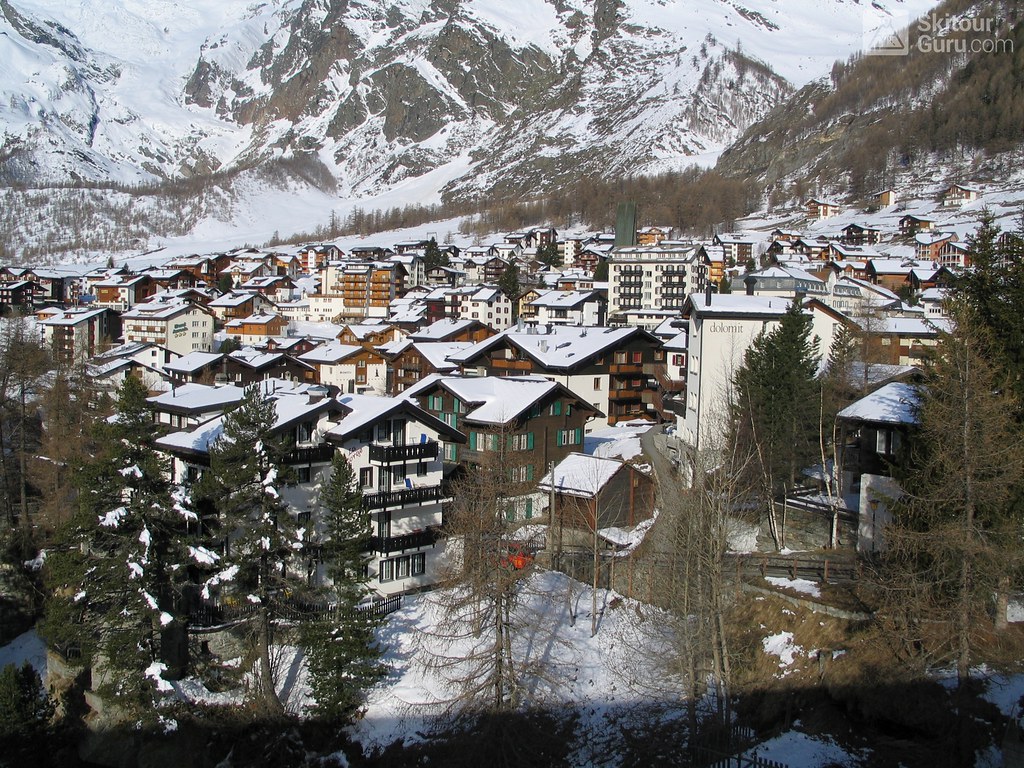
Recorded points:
(597, 384)
(304, 474)
(366, 477)
(620, 358)
(451, 452)
(638, 357)
(398, 474)
(421, 469)
(569, 436)
(304, 432)
(387, 570)
(678, 360)
(523, 442)
(555, 409)
(402, 567)
(419, 563)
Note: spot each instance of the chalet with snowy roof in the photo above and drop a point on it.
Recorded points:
(170, 278)
(933, 300)
(652, 235)
(412, 361)
(122, 292)
(883, 198)
(570, 308)
(246, 366)
(257, 328)
(301, 417)
(191, 404)
(290, 345)
(451, 330)
(274, 287)
(286, 264)
(838, 251)
(780, 250)
(446, 276)
(849, 268)
(905, 340)
(715, 262)
(181, 327)
(483, 269)
(55, 286)
(536, 421)
(785, 282)
(351, 368)
(593, 493)
(860, 234)
(241, 270)
(958, 195)
(818, 209)
(814, 248)
(394, 448)
(873, 433)
(891, 273)
(368, 334)
(911, 224)
(587, 258)
(610, 368)
(739, 248)
(237, 304)
(532, 238)
(18, 295)
(928, 245)
(370, 252)
(74, 335)
(196, 368)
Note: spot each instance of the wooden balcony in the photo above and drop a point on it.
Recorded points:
(417, 540)
(626, 368)
(624, 394)
(403, 498)
(391, 454)
(512, 365)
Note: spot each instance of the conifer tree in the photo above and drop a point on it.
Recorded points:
(777, 407)
(433, 256)
(508, 282)
(259, 535)
(116, 575)
(343, 658)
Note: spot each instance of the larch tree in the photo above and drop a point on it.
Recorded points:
(955, 537)
(776, 410)
(481, 601)
(259, 539)
(343, 657)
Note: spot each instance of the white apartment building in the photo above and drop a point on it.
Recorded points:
(653, 277)
(181, 327)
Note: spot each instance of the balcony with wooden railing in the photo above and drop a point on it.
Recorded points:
(417, 540)
(390, 454)
(626, 368)
(402, 498)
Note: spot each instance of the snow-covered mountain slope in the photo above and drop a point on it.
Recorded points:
(504, 94)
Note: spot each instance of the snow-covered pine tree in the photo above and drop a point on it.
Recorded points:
(115, 578)
(259, 537)
(343, 658)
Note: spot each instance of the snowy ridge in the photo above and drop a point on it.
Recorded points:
(382, 92)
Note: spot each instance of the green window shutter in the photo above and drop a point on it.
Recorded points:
(529, 441)
(529, 471)
(558, 437)
(556, 408)
(472, 441)
(579, 436)
(529, 509)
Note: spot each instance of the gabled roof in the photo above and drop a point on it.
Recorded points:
(581, 475)
(365, 411)
(331, 353)
(564, 299)
(895, 403)
(558, 347)
(444, 329)
(495, 400)
(192, 362)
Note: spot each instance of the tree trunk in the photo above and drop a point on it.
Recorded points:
(1002, 603)
(271, 702)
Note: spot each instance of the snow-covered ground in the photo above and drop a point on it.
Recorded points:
(29, 647)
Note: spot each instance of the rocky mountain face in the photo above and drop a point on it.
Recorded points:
(504, 97)
(952, 106)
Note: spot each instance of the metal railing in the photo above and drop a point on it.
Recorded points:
(411, 452)
(402, 498)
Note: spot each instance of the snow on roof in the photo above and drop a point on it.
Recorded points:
(72, 316)
(331, 352)
(158, 310)
(437, 353)
(236, 298)
(557, 346)
(199, 398)
(365, 410)
(563, 299)
(914, 326)
(254, 358)
(198, 439)
(498, 400)
(739, 304)
(192, 362)
(440, 330)
(895, 403)
(580, 475)
(678, 343)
